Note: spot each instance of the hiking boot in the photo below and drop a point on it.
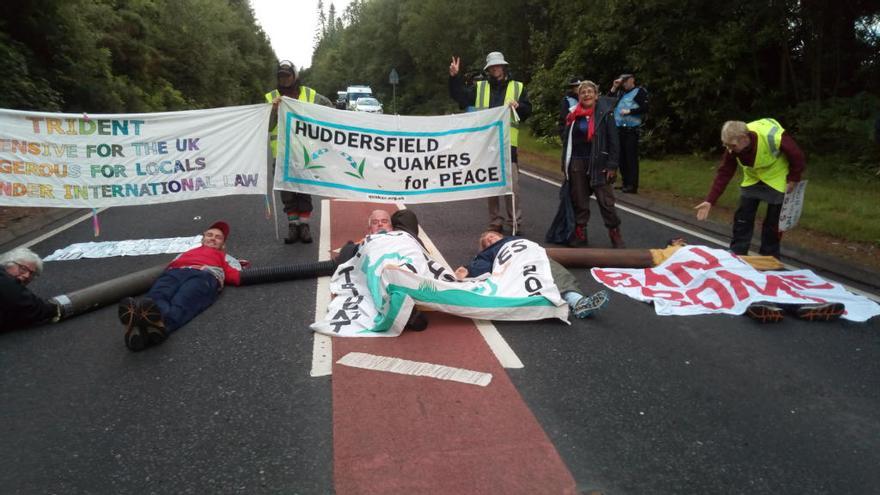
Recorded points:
(305, 233)
(579, 239)
(127, 310)
(148, 314)
(417, 321)
(292, 234)
(149, 318)
(820, 312)
(616, 238)
(134, 337)
(588, 305)
(765, 312)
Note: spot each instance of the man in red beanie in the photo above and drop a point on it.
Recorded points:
(190, 284)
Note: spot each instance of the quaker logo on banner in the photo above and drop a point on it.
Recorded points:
(76, 160)
(376, 290)
(370, 157)
(699, 280)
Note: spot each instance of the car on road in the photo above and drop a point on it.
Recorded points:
(368, 104)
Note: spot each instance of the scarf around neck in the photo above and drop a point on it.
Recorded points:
(578, 112)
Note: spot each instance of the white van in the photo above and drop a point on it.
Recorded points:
(353, 93)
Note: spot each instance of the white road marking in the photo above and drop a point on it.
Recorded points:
(415, 368)
(59, 229)
(720, 242)
(493, 338)
(322, 345)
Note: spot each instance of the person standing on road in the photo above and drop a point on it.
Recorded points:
(632, 105)
(498, 89)
(568, 102)
(19, 307)
(297, 206)
(772, 164)
(190, 284)
(589, 162)
(490, 245)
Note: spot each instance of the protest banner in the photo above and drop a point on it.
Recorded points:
(376, 290)
(77, 160)
(792, 206)
(369, 157)
(699, 280)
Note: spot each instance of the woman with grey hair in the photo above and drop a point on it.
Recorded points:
(590, 154)
(19, 307)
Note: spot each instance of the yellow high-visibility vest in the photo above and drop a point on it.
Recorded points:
(771, 165)
(514, 89)
(306, 94)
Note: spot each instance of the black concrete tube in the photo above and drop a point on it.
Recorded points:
(108, 292)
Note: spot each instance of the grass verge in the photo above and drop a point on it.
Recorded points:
(839, 217)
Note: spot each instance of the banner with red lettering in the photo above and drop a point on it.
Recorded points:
(699, 280)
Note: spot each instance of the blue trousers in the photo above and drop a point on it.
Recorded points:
(182, 293)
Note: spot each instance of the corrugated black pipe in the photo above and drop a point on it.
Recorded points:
(268, 274)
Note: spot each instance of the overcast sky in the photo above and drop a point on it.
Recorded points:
(291, 25)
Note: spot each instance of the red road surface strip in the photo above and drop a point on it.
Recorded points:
(407, 434)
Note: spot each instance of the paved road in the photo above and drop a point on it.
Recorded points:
(634, 403)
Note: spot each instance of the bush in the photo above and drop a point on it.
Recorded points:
(839, 127)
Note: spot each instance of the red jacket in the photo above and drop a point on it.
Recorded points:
(209, 256)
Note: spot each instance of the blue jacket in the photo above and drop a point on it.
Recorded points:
(482, 263)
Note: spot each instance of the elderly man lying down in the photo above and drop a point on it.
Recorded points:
(377, 289)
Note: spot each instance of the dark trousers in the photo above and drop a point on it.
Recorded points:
(744, 226)
(629, 156)
(496, 220)
(295, 202)
(579, 181)
(183, 293)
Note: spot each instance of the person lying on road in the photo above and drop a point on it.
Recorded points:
(491, 243)
(19, 307)
(190, 284)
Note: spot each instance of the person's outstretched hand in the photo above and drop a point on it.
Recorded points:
(703, 210)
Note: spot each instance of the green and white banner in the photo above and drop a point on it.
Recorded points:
(376, 290)
(78, 160)
(370, 157)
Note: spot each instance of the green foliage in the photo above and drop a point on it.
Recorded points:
(840, 127)
(108, 56)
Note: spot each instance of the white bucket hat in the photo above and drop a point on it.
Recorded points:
(494, 58)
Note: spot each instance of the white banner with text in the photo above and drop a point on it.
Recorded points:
(699, 280)
(82, 161)
(369, 157)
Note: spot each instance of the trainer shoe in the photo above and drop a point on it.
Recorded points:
(588, 305)
(305, 233)
(820, 312)
(765, 312)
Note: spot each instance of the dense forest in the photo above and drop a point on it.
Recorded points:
(812, 64)
(109, 56)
